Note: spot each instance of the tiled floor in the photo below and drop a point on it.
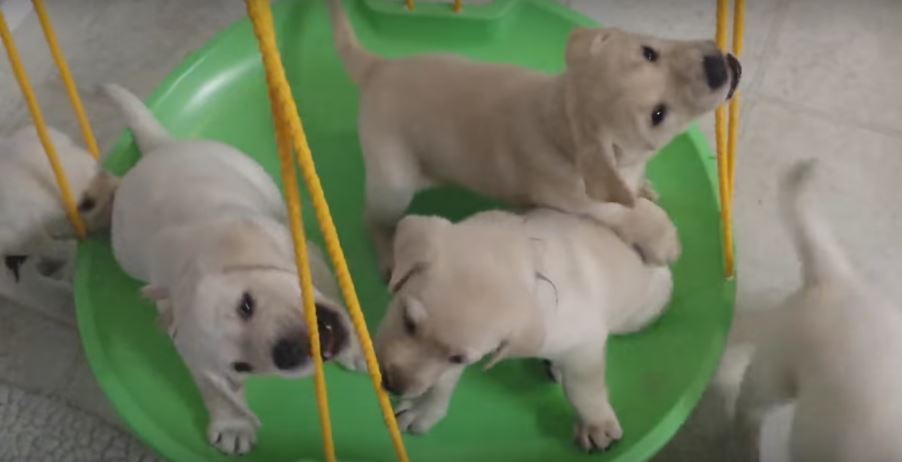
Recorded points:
(822, 80)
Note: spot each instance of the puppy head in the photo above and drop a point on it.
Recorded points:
(95, 204)
(239, 310)
(454, 303)
(641, 91)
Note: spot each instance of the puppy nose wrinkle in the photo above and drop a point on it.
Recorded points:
(715, 71)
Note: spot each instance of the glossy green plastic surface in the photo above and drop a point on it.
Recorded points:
(508, 414)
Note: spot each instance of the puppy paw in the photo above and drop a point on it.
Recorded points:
(647, 191)
(591, 437)
(653, 234)
(354, 362)
(232, 436)
(419, 415)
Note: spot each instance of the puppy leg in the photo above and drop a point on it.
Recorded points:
(233, 427)
(583, 374)
(421, 414)
(646, 226)
(766, 385)
(392, 180)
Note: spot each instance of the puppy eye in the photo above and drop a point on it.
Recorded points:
(658, 115)
(409, 326)
(86, 204)
(247, 306)
(242, 367)
(457, 359)
(649, 54)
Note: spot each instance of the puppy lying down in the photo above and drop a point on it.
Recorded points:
(578, 141)
(545, 284)
(835, 352)
(205, 227)
(33, 218)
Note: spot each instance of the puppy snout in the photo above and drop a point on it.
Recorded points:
(715, 70)
(391, 382)
(290, 353)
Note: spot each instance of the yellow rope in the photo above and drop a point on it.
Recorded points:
(41, 127)
(738, 33)
(726, 129)
(292, 193)
(66, 75)
(290, 123)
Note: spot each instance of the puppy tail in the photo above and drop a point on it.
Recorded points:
(823, 261)
(357, 61)
(147, 130)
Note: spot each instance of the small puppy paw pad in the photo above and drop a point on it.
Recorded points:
(598, 437)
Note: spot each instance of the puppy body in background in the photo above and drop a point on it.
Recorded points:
(32, 216)
(577, 142)
(835, 351)
(205, 227)
(542, 285)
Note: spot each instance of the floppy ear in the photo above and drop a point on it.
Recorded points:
(603, 182)
(584, 43)
(415, 246)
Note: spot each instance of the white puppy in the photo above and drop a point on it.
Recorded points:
(32, 216)
(577, 141)
(835, 351)
(204, 226)
(545, 284)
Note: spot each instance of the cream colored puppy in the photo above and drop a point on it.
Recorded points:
(835, 352)
(204, 226)
(32, 216)
(577, 142)
(541, 285)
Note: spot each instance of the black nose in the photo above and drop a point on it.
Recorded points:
(289, 353)
(715, 71)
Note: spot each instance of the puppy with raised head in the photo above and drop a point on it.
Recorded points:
(542, 285)
(577, 142)
(33, 220)
(834, 351)
(205, 227)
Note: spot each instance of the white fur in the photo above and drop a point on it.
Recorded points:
(32, 215)
(546, 285)
(835, 352)
(203, 225)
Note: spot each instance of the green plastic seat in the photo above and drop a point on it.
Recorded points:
(511, 413)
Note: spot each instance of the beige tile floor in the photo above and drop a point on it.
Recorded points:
(822, 80)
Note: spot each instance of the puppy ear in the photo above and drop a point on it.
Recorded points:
(603, 182)
(155, 293)
(585, 43)
(415, 246)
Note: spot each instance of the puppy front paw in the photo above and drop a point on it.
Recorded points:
(419, 415)
(598, 436)
(647, 191)
(353, 361)
(653, 234)
(232, 436)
